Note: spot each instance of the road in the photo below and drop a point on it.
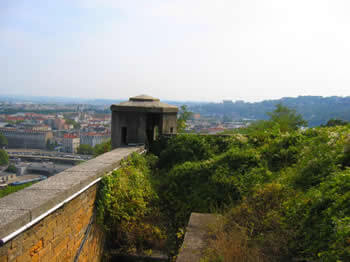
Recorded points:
(47, 155)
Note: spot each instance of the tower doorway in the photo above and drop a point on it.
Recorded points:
(124, 136)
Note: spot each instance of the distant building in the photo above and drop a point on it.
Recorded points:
(93, 138)
(39, 128)
(15, 118)
(70, 143)
(196, 116)
(56, 123)
(59, 123)
(215, 130)
(23, 138)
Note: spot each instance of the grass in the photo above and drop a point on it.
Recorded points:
(12, 189)
(231, 245)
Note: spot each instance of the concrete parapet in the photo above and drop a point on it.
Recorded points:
(32, 203)
(196, 237)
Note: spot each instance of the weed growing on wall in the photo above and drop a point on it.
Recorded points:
(128, 210)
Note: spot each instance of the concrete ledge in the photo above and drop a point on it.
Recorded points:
(196, 237)
(20, 208)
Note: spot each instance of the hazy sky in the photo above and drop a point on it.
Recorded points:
(175, 49)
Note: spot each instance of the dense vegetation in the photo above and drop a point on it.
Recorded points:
(4, 159)
(3, 141)
(128, 208)
(11, 168)
(284, 193)
(314, 109)
(85, 149)
(102, 148)
(183, 116)
(70, 121)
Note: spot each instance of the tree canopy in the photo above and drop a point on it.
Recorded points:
(184, 115)
(287, 118)
(84, 149)
(336, 122)
(3, 140)
(72, 122)
(4, 159)
(102, 148)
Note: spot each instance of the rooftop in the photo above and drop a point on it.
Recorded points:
(144, 103)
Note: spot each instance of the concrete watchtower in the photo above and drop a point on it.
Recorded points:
(141, 119)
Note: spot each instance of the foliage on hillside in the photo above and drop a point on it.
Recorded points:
(284, 193)
(314, 109)
(288, 192)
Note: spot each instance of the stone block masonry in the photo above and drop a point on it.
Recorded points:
(66, 233)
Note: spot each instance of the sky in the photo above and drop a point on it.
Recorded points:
(198, 50)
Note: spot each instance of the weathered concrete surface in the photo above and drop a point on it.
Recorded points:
(21, 207)
(137, 120)
(197, 233)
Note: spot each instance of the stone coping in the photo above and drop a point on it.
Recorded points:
(196, 237)
(20, 208)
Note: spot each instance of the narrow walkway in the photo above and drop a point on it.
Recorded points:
(196, 237)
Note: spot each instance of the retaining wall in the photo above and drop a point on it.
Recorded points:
(196, 237)
(54, 218)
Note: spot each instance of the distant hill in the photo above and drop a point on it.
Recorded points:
(316, 110)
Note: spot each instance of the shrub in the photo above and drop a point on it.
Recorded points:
(126, 207)
(231, 245)
(320, 157)
(182, 148)
(322, 217)
(11, 168)
(254, 229)
(4, 159)
(102, 148)
(85, 149)
(283, 151)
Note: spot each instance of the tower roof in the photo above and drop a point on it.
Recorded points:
(144, 103)
(143, 98)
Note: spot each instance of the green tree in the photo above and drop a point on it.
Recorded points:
(102, 148)
(3, 141)
(11, 168)
(72, 122)
(336, 122)
(50, 145)
(287, 118)
(184, 115)
(4, 159)
(84, 149)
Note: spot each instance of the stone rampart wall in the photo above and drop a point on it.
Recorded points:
(61, 209)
